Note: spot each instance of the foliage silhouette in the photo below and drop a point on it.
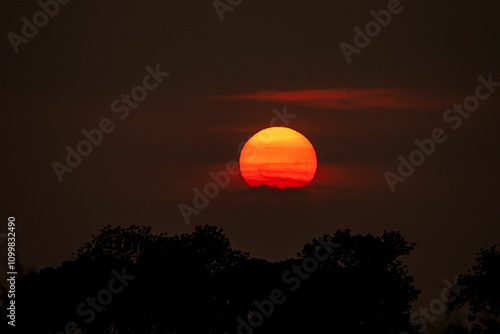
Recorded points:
(481, 299)
(196, 283)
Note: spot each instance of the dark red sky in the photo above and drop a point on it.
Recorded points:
(225, 80)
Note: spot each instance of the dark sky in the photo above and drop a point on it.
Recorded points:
(226, 77)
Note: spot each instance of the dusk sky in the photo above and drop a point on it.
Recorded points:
(226, 81)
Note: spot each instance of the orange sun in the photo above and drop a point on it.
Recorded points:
(278, 157)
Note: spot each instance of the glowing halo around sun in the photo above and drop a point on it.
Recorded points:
(278, 157)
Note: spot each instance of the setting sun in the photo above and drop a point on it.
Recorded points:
(278, 157)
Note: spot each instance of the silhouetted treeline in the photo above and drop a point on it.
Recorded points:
(128, 280)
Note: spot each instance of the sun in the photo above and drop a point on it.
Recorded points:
(278, 157)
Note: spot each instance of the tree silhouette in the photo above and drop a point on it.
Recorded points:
(196, 283)
(117, 244)
(481, 298)
(361, 288)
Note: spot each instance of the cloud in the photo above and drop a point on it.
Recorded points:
(346, 98)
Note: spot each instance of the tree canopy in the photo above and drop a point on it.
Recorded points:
(128, 280)
(481, 299)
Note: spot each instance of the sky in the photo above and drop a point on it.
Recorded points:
(212, 83)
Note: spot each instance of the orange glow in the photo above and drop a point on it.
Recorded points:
(278, 157)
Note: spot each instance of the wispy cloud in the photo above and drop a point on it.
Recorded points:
(347, 98)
